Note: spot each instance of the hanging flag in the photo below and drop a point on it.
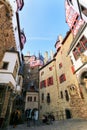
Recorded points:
(73, 19)
(78, 25)
(71, 14)
(20, 4)
(23, 39)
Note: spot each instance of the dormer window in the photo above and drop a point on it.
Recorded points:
(5, 65)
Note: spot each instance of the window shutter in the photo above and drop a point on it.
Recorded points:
(44, 83)
(48, 82)
(73, 70)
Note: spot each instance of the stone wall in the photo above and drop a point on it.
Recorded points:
(78, 107)
(7, 39)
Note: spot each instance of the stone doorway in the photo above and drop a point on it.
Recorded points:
(68, 114)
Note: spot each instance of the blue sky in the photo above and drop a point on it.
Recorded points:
(43, 21)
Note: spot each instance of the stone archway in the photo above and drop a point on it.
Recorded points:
(83, 77)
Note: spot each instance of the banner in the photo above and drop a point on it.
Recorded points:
(20, 4)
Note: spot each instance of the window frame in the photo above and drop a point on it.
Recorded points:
(5, 65)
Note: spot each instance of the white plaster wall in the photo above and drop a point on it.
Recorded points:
(6, 78)
(83, 2)
(11, 58)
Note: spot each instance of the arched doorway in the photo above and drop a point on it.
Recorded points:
(84, 78)
(68, 114)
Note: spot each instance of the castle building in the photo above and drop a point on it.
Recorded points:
(8, 84)
(31, 81)
(78, 52)
(80, 6)
(65, 76)
(78, 55)
(48, 90)
(11, 45)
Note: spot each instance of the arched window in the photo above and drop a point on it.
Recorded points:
(61, 94)
(66, 95)
(42, 98)
(48, 98)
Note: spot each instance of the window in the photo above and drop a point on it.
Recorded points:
(29, 99)
(5, 65)
(62, 78)
(60, 65)
(80, 47)
(42, 97)
(50, 68)
(83, 41)
(48, 98)
(43, 84)
(42, 73)
(50, 81)
(85, 44)
(76, 53)
(34, 99)
(61, 94)
(66, 95)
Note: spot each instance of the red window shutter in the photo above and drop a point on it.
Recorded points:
(48, 82)
(44, 83)
(73, 69)
(50, 68)
(64, 77)
(51, 81)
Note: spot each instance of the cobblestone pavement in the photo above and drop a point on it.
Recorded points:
(71, 124)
